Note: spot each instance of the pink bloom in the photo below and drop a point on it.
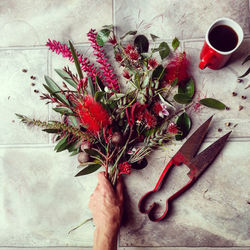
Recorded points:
(172, 128)
(157, 108)
(149, 119)
(82, 83)
(118, 57)
(129, 48)
(113, 40)
(108, 72)
(126, 74)
(152, 63)
(133, 55)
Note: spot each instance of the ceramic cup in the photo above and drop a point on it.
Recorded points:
(223, 37)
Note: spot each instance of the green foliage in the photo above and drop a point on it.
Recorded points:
(63, 110)
(182, 98)
(66, 77)
(212, 103)
(131, 33)
(103, 36)
(89, 169)
(184, 125)
(164, 50)
(141, 43)
(77, 64)
(175, 43)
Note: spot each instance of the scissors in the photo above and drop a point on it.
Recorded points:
(196, 163)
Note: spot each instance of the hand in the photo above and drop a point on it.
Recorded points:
(106, 205)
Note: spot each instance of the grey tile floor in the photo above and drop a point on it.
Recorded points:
(40, 201)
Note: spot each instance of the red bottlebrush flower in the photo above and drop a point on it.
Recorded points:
(172, 128)
(82, 84)
(133, 55)
(157, 108)
(149, 119)
(92, 115)
(126, 74)
(177, 68)
(113, 40)
(152, 63)
(124, 168)
(118, 57)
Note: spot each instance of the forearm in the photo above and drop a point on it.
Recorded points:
(105, 241)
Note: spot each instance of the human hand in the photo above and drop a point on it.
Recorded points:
(106, 205)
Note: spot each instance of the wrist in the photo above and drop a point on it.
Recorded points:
(105, 238)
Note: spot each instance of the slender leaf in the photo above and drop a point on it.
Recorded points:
(158, 73)
(154, 37)
(73, 121)
(164, 50)
(145, 82)
(61, 144)
(63, 110)
(99, 95)
(99, 83)
(245, 74)
(187, 88)
(91, 152)
(141, 43)
(51, 130)
(73, 146)
(116, 96)
(77, 64)
(91, 86)
(174, 82)
(182, 98)
(65, 76)
(184, 125)
(212, 103)
(89, 169)
(175, 43)
(103, 36)
(131, 33)
(55, 90)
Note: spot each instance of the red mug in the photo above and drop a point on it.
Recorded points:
(223, 37)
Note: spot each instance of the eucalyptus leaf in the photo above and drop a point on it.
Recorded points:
(77, 64)
(61, 145)
(158, 73)
(212, 103)
(91, 152)
(99, 83)
(55, 90)
(89, 169)
(175, 43)
(141, 43)
(145, 82)
(164, 50)
(131, 33)
(63, 110)
(65, 76)
(184, 125)
(187, 88)
(174, 82)
(102, 36)
(182, 98)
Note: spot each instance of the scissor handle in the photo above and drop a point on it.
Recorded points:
(151, 210)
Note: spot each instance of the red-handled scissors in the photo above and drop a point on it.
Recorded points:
(196, 163)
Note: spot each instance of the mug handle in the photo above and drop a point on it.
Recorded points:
(205, 59)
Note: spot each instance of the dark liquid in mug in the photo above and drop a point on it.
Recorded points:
(223, 38)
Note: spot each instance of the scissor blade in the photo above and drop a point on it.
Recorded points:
(192, 145)
(206, 157)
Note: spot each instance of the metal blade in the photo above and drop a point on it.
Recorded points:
(206, 157)
(192, 145)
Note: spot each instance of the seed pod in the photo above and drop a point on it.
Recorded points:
(117, 138)
(85, 145)
(83, 157)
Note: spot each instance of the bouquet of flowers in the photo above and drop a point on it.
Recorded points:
(113, 125)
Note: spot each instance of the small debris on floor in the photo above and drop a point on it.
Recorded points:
(240, 107)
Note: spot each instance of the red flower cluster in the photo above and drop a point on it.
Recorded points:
(157, 108)
(124, 168)
(152, 63)
(177, 68)
(131, 52)
(92, 115)
(172, 128)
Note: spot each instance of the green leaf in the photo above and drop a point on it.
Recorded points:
(72, 146)
(137, 80)
(175, 43)
(55, 90)
(141, 43)
(77, 64)
(116, 96)
(102, 36)
(174, 82)
(61, 145)
(245, 74)
(99, 95)
(66, 77)
(73, 121)
(164, 50)
(154, 37)
(187, 88)
(212, 103)
(91, 86)
(158, 73)
(88, 170)
(145, 82)
(131, 33)
(246, 59)
(51, 130)
(182, 98)
(99, 83)
(184, 125)
(109, 27)
(63, 110)
(91, 152)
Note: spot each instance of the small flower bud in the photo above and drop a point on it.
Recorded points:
(83, 157)
(116, 138)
